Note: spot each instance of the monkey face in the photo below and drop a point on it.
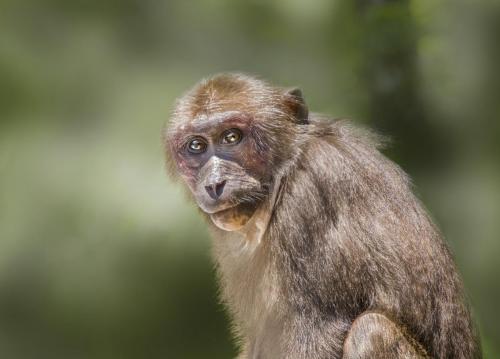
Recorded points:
(219, 158)
(230, 137)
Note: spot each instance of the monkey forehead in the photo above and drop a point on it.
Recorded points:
(210, 120)
(226, 92)
(213, 118)
(215, 113)
(208, 123)
(196, 110)
(219, 98)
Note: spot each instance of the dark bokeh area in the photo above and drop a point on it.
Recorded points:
(101, 256)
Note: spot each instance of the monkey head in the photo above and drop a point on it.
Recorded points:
(229, 139)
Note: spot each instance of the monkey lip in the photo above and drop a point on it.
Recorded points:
(213, 209)
(226, 209)
(230, 207)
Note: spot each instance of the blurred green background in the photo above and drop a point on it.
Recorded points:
(101, 256)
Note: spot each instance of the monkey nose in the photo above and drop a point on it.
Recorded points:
(215, 190)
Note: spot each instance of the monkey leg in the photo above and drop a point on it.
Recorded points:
(375, 336)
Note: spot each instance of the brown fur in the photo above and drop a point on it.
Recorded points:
(337, 237)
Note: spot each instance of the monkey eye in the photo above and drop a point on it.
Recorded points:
(197, 145)
(231, 137)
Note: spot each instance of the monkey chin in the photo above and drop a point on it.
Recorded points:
(234, 218)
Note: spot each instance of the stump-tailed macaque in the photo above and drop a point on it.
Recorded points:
(321, 248)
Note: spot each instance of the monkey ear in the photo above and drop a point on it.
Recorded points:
(294, 100)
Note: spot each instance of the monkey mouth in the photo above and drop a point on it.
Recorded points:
(218, 209)
(223, 212)
(245, 203)
(231, 207)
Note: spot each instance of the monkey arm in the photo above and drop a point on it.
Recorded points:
(375, 336)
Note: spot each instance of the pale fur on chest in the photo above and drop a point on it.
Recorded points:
(249, 287)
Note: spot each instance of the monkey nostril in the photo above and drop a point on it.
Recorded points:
(219, 188)
(215, 190)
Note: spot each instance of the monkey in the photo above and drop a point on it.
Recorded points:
(320, 246)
